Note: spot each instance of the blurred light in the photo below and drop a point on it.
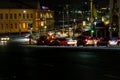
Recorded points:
(45, 8)
(103, 19)
(37, 19)
(45, 27)
(106, 22)
(24, 11)
(84, 24)
(42, 23)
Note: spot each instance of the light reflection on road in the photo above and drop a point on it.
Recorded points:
(3, 42)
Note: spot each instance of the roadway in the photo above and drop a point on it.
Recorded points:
(32, 62)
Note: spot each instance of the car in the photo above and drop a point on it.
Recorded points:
(113, 41)
(71, 42)
(86, 41)
(4, 38)
(44, 40)
(61, 41)
(103, 42)
(21, 40)
(89, 41)
(64, 41)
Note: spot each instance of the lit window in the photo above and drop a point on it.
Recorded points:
(47, 15)
(23, 25)
(50, 15)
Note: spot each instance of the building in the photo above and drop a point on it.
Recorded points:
(114, 18)
(22, 20)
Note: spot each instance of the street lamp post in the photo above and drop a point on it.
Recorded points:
(68, 20)
(63, 22)
(91, 15)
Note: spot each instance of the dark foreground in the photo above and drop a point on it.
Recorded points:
(58, 63)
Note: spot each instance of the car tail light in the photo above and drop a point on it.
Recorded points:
(118, 40)
(109, 40)
(86, 40)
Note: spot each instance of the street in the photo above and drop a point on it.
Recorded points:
(59, 63)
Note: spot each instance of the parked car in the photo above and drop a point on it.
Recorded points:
(103, 42)
(81, 40)
(45, 40)
(71, 41)
(64, 41)
(86, 41)
(113, 41)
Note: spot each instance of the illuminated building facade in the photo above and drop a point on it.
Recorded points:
(17, 20)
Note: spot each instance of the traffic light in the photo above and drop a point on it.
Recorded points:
(92, 31)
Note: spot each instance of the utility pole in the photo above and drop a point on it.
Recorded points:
(63, 21)
(38, 18)
(67, 7)
(91, 15)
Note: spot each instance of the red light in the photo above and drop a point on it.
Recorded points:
(46, 8)
(37, 19)
(118, 39)
(86, 40)
(109, 40)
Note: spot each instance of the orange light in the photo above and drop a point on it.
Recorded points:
(37, 19)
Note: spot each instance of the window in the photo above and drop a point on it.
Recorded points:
(11, 16)
(50, 15)
(41, 15)
(15, 25)
(11, 26)
(31, 15)
(27, 16)
(1, 16)
(6, 26)
(15, 16)
(6, 16)
(19, 15)
(23, 16)
(23, 25)
(1, 26)
(47, 15)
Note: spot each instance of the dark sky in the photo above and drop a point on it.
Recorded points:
(76, 3)
(49, 3)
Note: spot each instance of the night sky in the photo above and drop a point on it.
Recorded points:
(53, 3)
(50, 3)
